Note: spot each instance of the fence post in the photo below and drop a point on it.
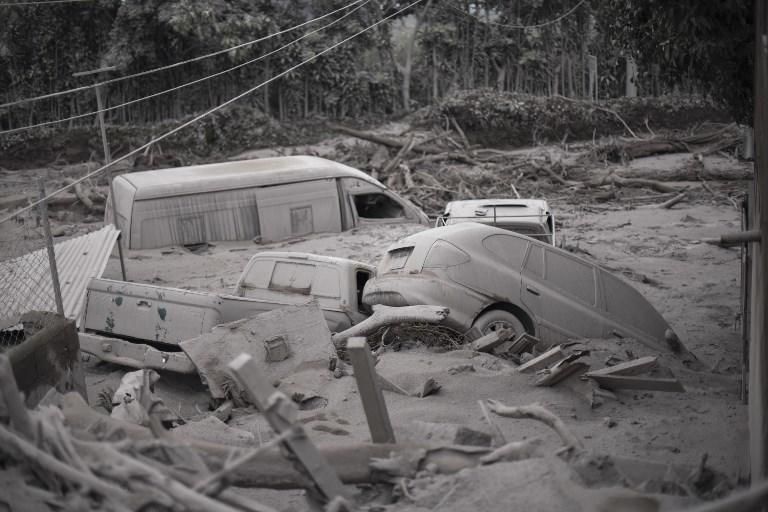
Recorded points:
(51, 252)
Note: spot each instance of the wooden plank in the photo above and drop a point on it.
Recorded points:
(12, 402)
(633, 367)
(560, 373)
(758, 349)
(370, 391)
(279, 411)
(634, 382)
(492, 340)
(522, 343)
(542, 361)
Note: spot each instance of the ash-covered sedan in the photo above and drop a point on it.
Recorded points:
(491, 278)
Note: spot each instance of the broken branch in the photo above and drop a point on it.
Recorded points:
(539, 413)
(385, 315)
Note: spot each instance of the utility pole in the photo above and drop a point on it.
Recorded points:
(758, 346)
(107, 153)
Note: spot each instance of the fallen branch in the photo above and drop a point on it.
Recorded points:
(539, 413)
(385, 315)
(14, 445)
(671, 202)
(514, 451)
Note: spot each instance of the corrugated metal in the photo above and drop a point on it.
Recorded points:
(25, 282)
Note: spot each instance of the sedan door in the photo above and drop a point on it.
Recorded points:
(562, 292)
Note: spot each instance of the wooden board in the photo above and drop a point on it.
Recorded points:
(633, 382)
(633, 367)
(542, 361)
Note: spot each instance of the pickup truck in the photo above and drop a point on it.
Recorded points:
(141, 325)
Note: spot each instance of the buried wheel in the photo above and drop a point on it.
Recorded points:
(498, 319)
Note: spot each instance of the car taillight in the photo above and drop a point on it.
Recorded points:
(395, 259)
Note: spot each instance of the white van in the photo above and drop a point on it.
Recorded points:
(267, 200)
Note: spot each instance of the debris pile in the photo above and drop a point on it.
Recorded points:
(508, 119)
(434, 167)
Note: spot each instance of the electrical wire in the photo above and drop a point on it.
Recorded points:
(176, 64)
(188, 84)
(10, 4)
(538, 25)
(207, 113)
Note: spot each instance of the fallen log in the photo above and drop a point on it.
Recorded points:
(672, 202)
(351, 461)
(385, 315)
(613, 179)
(385, 141)
(687, 174)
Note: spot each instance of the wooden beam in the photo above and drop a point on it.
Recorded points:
(758, 346)
(370, 391)
(280, 412)
(634, 382)
(561, 372)
(492, 340)
(542, 361)
(13, 401)
(522, 343)
(633, 367)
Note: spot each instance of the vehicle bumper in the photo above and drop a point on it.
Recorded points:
(414, 290)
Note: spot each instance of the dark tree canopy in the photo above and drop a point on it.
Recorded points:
(697, 46)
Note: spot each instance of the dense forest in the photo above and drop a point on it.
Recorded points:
(423, 54)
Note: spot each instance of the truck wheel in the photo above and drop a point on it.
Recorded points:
(498, 319)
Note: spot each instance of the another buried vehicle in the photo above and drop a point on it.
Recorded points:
(491, 278)
(530, 217)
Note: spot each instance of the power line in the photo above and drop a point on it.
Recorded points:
(188, 84)
(10, 4)
(207, 113)
(177, 64)
(537, 25)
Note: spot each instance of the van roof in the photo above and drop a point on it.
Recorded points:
(193, 179)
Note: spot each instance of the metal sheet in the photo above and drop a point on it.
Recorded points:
(77, 259)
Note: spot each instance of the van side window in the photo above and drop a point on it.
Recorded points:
(377, 206)
(534, 265)
(510, 249)
(571, 276)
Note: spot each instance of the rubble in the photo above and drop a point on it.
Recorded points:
(301, 331)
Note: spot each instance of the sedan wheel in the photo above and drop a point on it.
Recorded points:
(498, 319)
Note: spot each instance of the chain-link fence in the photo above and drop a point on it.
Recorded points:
(28, 281)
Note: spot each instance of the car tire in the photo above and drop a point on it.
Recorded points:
(497, 319)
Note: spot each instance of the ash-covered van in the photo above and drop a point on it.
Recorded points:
(267, 200)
